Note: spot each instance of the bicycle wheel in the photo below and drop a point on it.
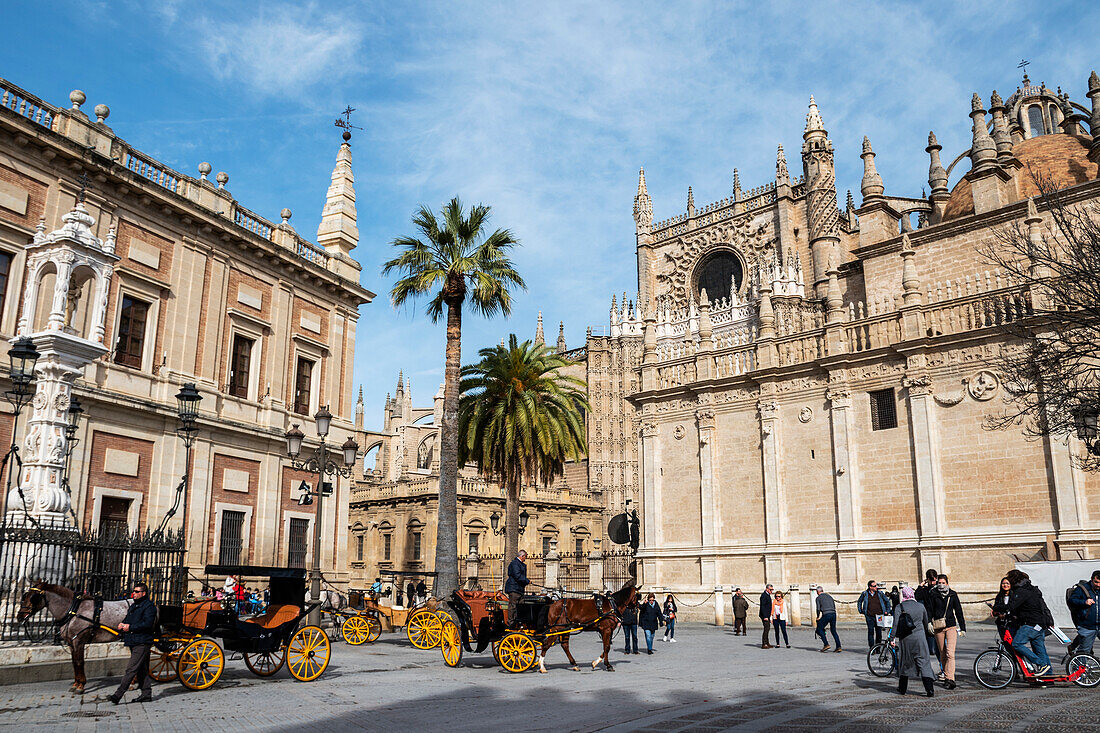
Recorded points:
(1090, 675)
(994, 669)
(881, 660)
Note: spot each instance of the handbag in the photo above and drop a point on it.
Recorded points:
(938, 625)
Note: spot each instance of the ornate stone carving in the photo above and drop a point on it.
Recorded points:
(805, 415)
(800, 384)
(750, 237)
(649, 429)
(948, 400)
(918, 384)
(679, 432)
(839, 397)
(983, 385)
(768, 409)
(705, 418)
(61, 402)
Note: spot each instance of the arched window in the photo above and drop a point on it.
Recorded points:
(425, 453)
(717, 273)
(1035, 120)
(370, 458)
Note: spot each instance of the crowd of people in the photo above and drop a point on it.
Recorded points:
(650, 616)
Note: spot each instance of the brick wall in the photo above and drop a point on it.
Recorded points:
(219, 493)
(36, 197)
(97, 476)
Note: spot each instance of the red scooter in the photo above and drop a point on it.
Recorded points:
(996, 668)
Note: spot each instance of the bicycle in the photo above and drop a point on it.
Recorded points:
(882, 659)
(997, 667)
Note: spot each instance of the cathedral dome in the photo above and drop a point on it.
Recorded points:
(1062, 158)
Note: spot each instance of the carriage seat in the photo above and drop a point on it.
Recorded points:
(194, 614)
(275, 616)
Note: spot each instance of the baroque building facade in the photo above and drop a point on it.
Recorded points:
(392, 520)
(798, 393)
(262, 320)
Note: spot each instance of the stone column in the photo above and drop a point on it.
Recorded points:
(553, 565)
(651, 485)
(595, 566)
(473, 565)
(795, 601)
(719, 606)
(927, 462)
(708, 510)
(845, 473)
(813, 604)
(773, 489)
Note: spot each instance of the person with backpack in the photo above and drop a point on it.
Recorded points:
(910, 624)
(1083, 600)
(873, 604)
(1029, 613)
(947, 625)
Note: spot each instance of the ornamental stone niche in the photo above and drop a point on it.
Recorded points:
(68, 276)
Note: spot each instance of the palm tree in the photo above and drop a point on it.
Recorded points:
(455, 262)
(520, 419)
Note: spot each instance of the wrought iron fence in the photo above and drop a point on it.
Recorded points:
(619, 567)
(573, 572)
(97, 564)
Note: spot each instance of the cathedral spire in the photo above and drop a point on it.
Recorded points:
(813, 121)
(338, 232)
(561, 348)
(359, 410)
(937, 176)
(781, 173)
(736, 185)
(539, 338)
(691, 203)
(1094, 118)
(643, 206)
(1001, 136)
(983, 151)
(871, 186)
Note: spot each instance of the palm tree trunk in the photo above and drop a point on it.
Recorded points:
(511, 518)
(446, 531)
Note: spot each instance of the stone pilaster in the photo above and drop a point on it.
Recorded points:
(595, 566)
(845, 467)
(652, 535)
(774, 504)
(553, 565)
(709, 513)
(926, 458)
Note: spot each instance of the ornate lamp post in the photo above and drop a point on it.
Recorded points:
(494, 520)
(22, 357)
(71, 426)
(319, 463)
(1085, 423)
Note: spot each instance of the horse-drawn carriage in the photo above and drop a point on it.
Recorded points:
(539, 622)
(423, 624)
(193, 638)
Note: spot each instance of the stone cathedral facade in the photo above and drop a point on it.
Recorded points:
(797, 394)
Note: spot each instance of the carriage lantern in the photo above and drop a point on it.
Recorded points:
(73, 414)
(494, 521)
(324, 419)
(351, 450)
(294, 438)
(22, 357)
(1084, 422)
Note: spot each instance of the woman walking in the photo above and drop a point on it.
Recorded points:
(910, 623)
(779, 618)
(670, 618)
(948, 625)
(649, 618)
(999, 609)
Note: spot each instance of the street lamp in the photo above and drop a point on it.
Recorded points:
(72, 424)
(319, 463)
(494, 521)
(1085, 423)
(22, 357)
(187, 411)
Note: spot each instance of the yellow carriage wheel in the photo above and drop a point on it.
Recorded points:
(374, 627)
(355, 630)
(451, 644)
(308, 653)
(424, 630)
(163, 658)
(265, 664)
(516, 652)
(200, 664)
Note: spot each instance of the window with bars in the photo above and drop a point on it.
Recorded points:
(240, 361)
(474, 539)
(303, 379)
(131, 332)
(579, 546)
(359, 547)
(416, 537)
(387, 546)
(546, 545)
(297, 537)
(884, 413)
(231, 541)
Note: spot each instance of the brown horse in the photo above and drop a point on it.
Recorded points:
(75, 619)
(587, 614)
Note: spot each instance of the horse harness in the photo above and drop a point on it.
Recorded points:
(602, 613)
(97, 610)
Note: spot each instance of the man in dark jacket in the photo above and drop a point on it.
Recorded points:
(410, 593)
(137, 634)
(766, 615)
(630, 627)
(873, 603)
(516, 583)
(1084, 606)
(1027, 609)
(740, 612)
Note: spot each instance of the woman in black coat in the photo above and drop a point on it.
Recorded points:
(649, 618)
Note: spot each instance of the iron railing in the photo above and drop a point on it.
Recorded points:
(103, 564)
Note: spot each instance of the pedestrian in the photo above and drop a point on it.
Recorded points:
(1029, 613)
(921, 594)
(910, 622)
(630, 626)
(740, 613)
(873, 604)
(1084, 607)
(649, 618)
(999, 609)
(670, 619)
(779, 617)
(826, 618)
(947, 625)
(766, 615)
(421, 591)
(410, 593)
(137, 634)
(894, 595)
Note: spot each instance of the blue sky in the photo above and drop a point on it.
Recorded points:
(542, 110)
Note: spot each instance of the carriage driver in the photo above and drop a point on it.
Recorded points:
(137, 634)
(514, 586)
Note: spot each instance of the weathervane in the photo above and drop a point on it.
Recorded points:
(83, 186)
(346, 123)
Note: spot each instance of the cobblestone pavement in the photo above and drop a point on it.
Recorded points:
(709, 681)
